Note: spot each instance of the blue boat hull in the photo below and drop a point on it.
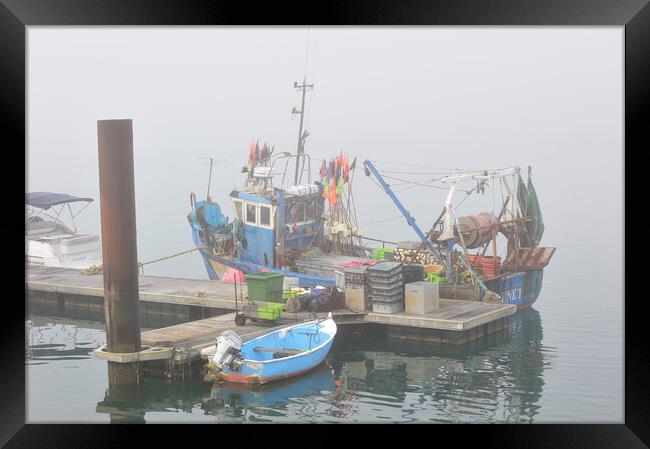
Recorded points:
(313, 338)
(521, 289)
(216, 266)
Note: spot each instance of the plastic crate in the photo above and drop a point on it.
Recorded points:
(265, 286)
(435, 278)
(413, 273)
(385, 268)
(380, 253)
(398, 297)
(296, 291)
(395, 278)
(355, 277)
(387, 291)
(263, 310)
(488, 265)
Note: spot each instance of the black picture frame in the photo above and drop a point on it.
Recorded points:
(634, 15)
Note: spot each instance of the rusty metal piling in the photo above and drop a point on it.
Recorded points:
(119, 249)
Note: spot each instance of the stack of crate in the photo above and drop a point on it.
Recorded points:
(386, 283)
(356, 289)
(413, 273)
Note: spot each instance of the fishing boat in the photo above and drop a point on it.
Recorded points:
(49, 241)
(308, 229)
(518, 278)
(283, 353)
(452, 239)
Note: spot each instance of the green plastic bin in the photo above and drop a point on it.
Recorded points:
(288, 294)
(265, 286)
(435, 278)
(380, 253)
(264, 310)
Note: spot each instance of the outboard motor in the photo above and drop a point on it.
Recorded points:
(227, 352)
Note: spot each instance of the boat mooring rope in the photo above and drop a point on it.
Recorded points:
(97, 269)
(141, 264)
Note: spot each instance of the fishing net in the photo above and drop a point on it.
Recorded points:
(530, 232)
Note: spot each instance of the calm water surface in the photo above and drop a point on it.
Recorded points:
(561, 362)
(516, 377)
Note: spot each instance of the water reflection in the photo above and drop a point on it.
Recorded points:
(51, 339)
(483, 383)
(500, 379)
(152, 396)
(94, 313)
(234, 401)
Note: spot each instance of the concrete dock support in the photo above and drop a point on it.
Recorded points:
(119, 249)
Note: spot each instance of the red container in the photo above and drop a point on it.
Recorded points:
(487, 265)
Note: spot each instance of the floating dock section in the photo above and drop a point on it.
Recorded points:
(208, 306)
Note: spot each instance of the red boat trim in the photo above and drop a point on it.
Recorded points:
(255, 379)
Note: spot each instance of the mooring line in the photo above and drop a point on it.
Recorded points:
(96, 269)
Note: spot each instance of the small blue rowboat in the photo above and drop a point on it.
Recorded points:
(280, 354)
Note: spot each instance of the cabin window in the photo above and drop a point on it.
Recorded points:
(265, 216)
(299, 213)
(310, 212)
(237, 204)
(251, 214)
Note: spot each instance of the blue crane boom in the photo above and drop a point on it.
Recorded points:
(411, 221)
(409, 218)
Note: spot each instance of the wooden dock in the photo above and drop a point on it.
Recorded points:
(186, 341)
(209, 304)
(173, 352)
(158, 289)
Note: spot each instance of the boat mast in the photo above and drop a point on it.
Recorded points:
(301, 146)
(207, 197)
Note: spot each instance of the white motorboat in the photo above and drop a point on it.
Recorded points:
(52, 243)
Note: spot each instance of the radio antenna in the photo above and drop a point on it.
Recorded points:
(301, 139)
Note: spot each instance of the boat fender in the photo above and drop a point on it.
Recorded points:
(208, 353)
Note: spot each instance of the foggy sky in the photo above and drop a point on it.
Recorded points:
(434, 97)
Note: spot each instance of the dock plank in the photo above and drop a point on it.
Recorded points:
(197, 331)
(194, 292)
(456, 315)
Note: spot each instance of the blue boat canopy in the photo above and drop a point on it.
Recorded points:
(45, 200)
